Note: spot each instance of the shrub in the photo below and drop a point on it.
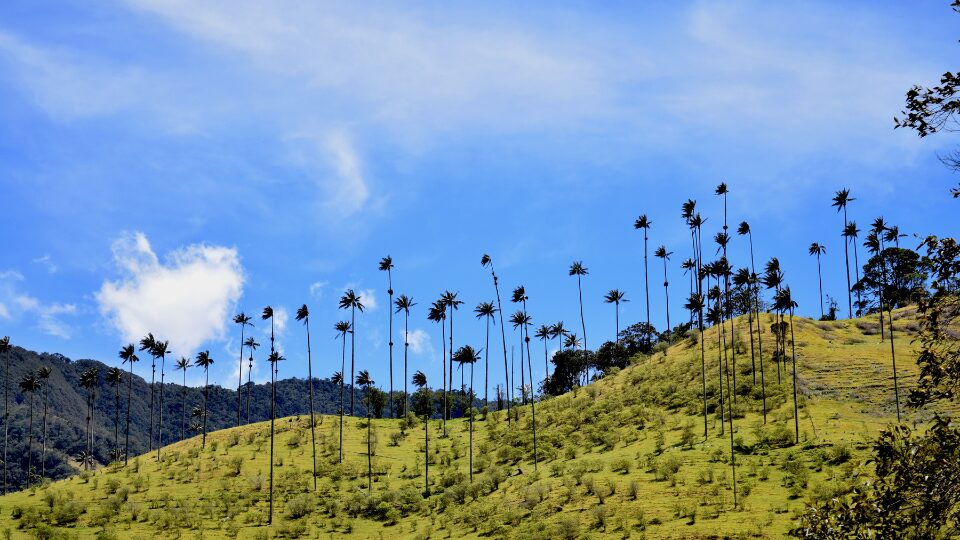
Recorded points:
(300, 506)
(621, 465)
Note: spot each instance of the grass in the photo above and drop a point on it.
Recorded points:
(624, 457)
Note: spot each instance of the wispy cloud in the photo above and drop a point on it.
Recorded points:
(15, 303)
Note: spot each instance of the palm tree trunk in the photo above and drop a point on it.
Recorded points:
(393, 412)
(6, 417)
(240, 376)
(43, 451)
(666, 290)
(163, 360)
(406, 346)
(206, 390)
(30, 444)
(756, 306)
(273, 418)
(646, 282)
(313, 432)
(846, 257)
(486, 367)
(471, 423)
(249, 384)
(856, 268)
(703, 369)
(523, 383)
(533, 404)
(116, 419)
(183, 407)
(153, 376)
(450, 387)
(443, 362)
(796, 410)
(820, 278)
(369, 450)
(893, 356)
(616, 335)
(126, 445)
(503, 338)
(426, 453)
(353, 353)
(583, 324)
(343, 366)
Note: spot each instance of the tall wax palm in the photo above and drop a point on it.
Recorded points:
(337, 379)
(251, 345)
(743, 279)
(451, 302)
(204, 360)
(874, 244)
(615, 296)
(520, 297)
(695, 305)
(840, 201)
(689, 267)
(578, 269)
(571, 341)
(784, 303)
(518, 320)
(115, 380)
(351, 300)
(486, 261)
(128, 355)
(160, 349)
(543, 334)
(851, 233)
(183, 364)
(243, 320)
(274, 360)
(558, 332)
(467, 355)
(818, 250)
(487, 311)
(88, 381)
(386, 265)
(343, 328)
(744, 229)
(644, 223)
(438, 314)
(44, 375)
(892, 234)
(303, 314)
(148, 343)
(366, 382)
(773, 279)
(420, 381)
(523, 319)
(715, 317)
(30, 384)
(404, 303)
(4, 351)
(662, 253)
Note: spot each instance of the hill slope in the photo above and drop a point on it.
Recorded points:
(622, 457)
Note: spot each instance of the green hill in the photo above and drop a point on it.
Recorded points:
(622, 457)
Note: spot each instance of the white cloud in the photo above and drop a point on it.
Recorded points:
(15, 303)
(186, 300)
(420, 342)
(47, 262)
(316, 289)
(368, 298)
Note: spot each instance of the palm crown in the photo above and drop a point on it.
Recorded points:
(687, 209)
(342, 328)
(841, 199)
(204, 359)
(519, 295)
(662, 253)
(817, 249)
(404, 303)
(543, 332)
(350, 299)
(419, 379)
(578, 269)
(520, 318)
(251, 343)
(466, 355)
(485, 309)
(303, 314)
(557, 330)
(386, 263)
(243, 319)
(744, 228)
(184, 363)
(642, 222)
(615, 296)
(267, 313)
(129, 354)
(114, 376)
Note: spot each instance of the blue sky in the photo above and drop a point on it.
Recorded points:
(166, 164)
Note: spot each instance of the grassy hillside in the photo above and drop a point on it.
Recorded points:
(623, 457)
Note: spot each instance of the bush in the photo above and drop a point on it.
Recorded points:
(300, 506)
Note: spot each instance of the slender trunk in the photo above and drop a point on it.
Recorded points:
(43, 451)
(756, 306)
(393, 411)
(249, 383)
(426, 453)
(503, 338)
(846, 257)
(183, 407)
(796, 409)
(533, 401)
(545, 361)
(6, 418)
(353, 333)
(753, 362)
(471, 423)
(343, 366)
(369, 451)
(646, 282)
(240, 377)
(666, 290)
(206, 393)
(126, 444)
(703, 370)
(116, 419)
(583, 324)
(86, 457)
(486, 367)
(30, 443)
(406, 346)
(893, 356)
(273, 418)
(820, 278)
(450, 387)
(443, 362)
(313, 432)
(163, 360)
(523, 384)
(719, 364)
(856, 268)
(153, 377)
(616, 335)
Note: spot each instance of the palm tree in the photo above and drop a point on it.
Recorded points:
(160, 349)
(404, 303)
(449, 299)
(204, 360)
(840, 201)
(850, 233)
(695, 305)
(744, 229)
(4, 350)
(543, 334)
(44, 375)
(251, 345)
(572, 341)
(715, 317)
(183, 364)
(364, 380)
(243, 320)
(129, 355)
(486, 261)
(274, 360)
(467, 355)
(487, 311)
(518, 320)
(689, 267)
(88, 381)
(343, 328)
(420, 381)
(662, 253)
(577, 269)
(615, 296)
(30, 384)
(303, 314)
(438, 314)
(723, 271)
(644, 223)
(874, 245)
(115, 380)
(386, 265)
(818, 250)
(147, 344)
(743, 279)
(352, 301)
(784, 302)
(557, 331)
(773, 279)
(337, 379)
(520, 297)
